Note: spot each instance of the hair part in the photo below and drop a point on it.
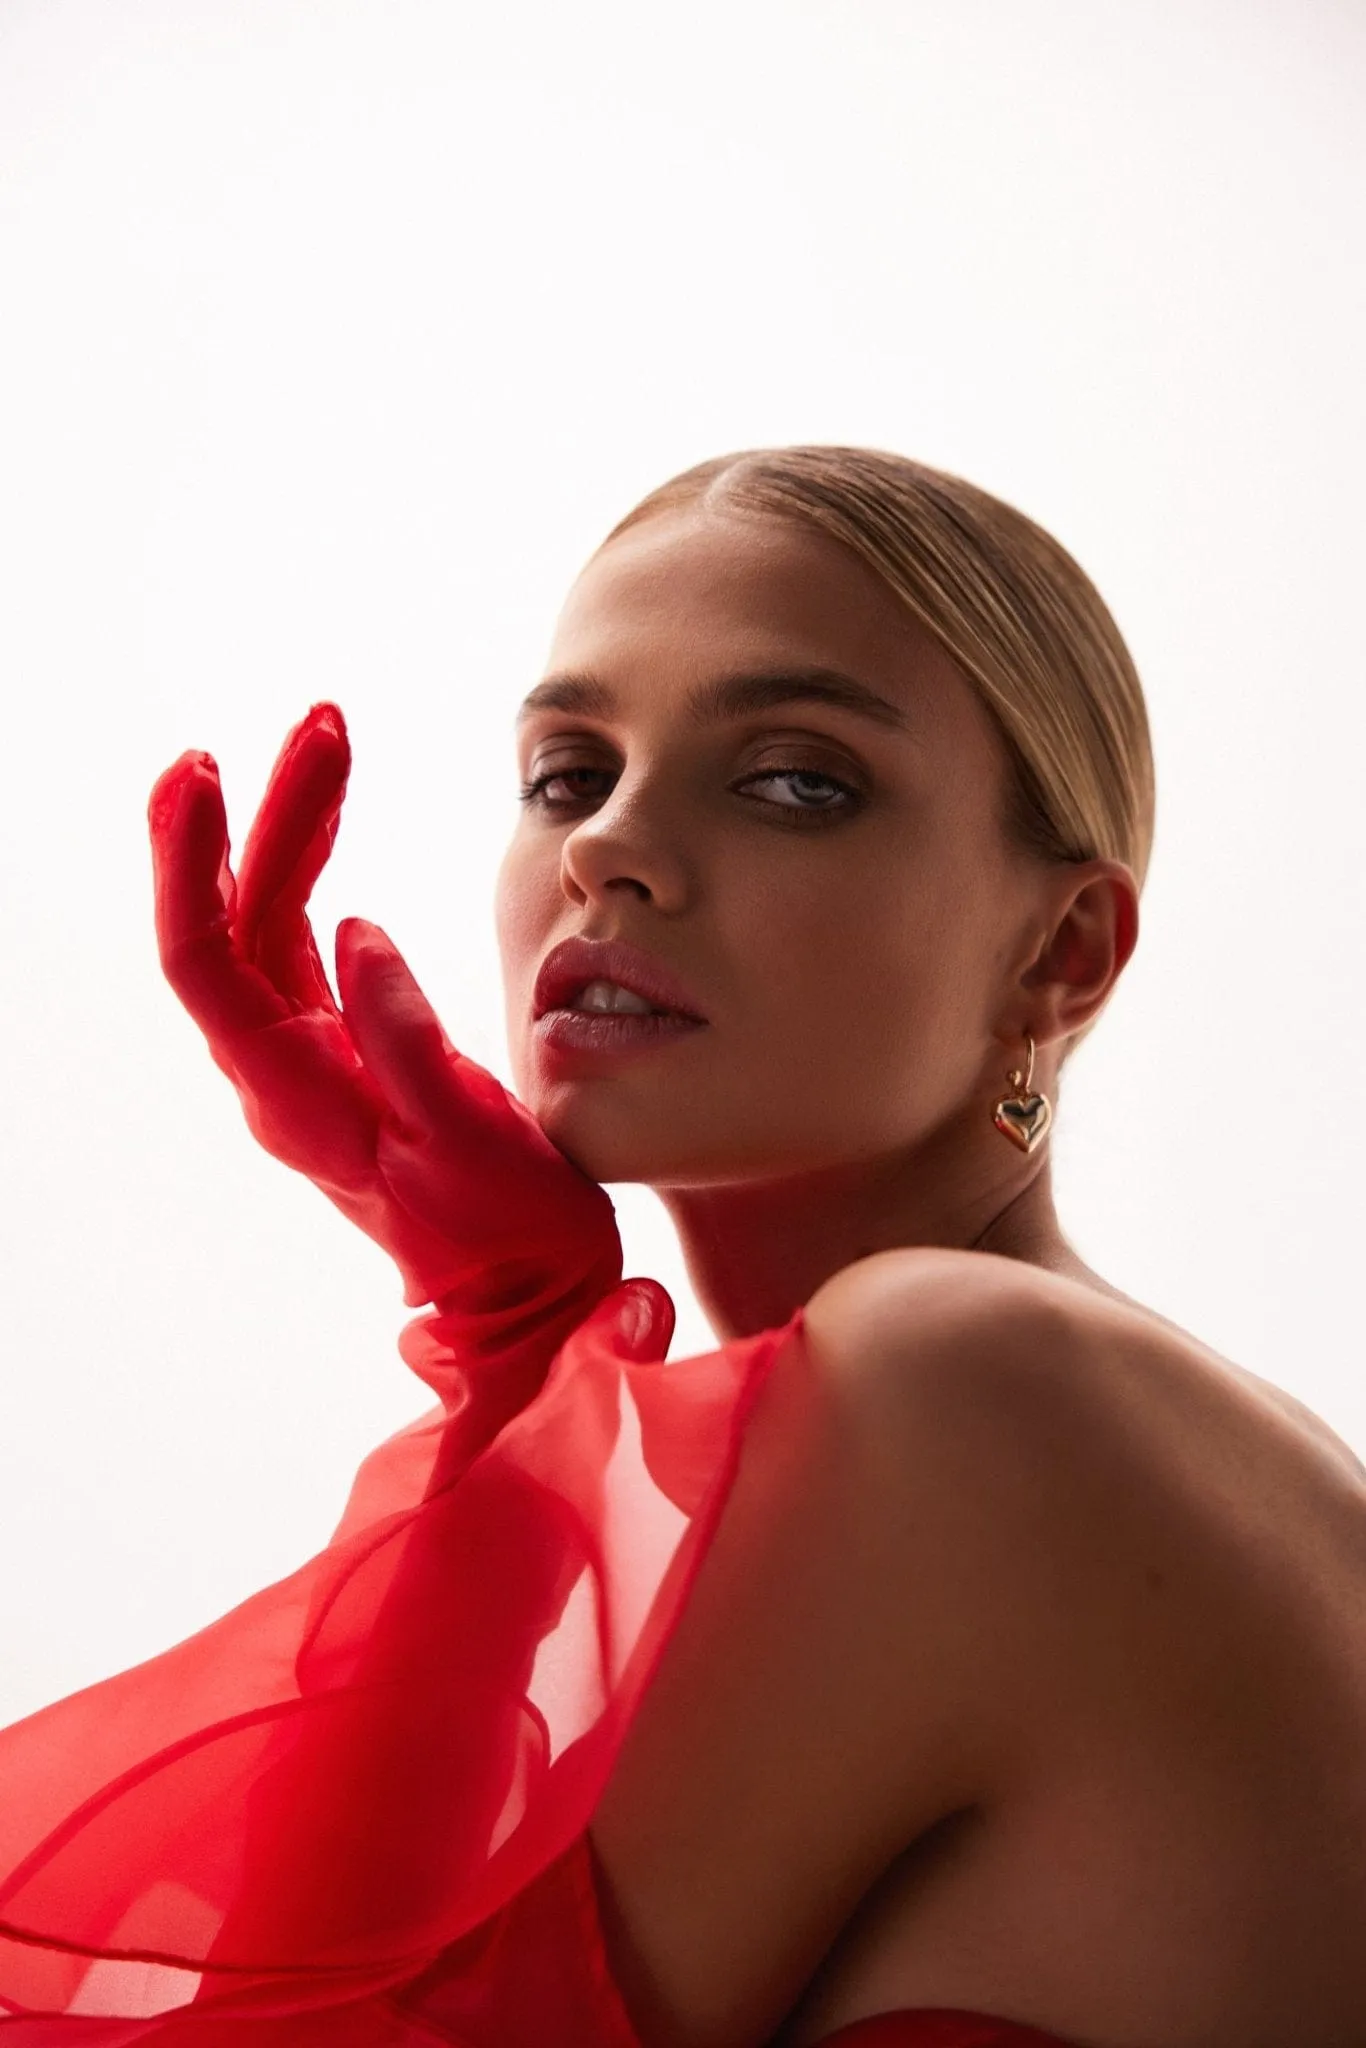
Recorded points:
(1013, 610)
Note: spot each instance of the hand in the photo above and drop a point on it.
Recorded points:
(418, 1145)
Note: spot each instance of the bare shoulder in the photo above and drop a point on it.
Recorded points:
(933, 1335)
(935, 1339)
(1009, 1400)
(890, 1304)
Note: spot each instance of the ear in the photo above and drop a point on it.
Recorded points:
(1092, 928)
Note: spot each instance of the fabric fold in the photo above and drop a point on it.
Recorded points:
(285, 1823)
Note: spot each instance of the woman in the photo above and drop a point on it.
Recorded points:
(1003, 1651)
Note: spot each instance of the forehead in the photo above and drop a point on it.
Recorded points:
(685, 597)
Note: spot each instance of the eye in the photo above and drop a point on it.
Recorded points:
(533, 792)
(847, 798)
(846, 795)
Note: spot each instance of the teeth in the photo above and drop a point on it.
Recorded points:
(605, 995)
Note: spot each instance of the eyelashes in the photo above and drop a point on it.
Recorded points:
(533, 795)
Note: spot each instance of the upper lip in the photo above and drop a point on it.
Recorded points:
(568, 968)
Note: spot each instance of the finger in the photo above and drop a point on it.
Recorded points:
(633, 1320)
(400, 1038)
(309, 1102)
(193, 888)
(641, 1317)
(287, 954)
(286, 849)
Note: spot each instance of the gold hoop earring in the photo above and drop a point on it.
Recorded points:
(1022, 1117)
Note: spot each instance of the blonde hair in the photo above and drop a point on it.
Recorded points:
(1018, 616)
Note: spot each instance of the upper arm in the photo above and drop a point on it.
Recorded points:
(841, 1677)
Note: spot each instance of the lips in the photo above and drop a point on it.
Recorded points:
(569, 967)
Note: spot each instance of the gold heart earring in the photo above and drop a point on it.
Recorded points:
(1022, 1117)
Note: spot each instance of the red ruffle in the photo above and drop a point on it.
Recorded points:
(291, 1822)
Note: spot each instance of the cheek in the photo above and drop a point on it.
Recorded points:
(844, 935)
(871, 971)
(520, 910)
(519, 918)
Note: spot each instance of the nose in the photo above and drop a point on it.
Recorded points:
(625, 846)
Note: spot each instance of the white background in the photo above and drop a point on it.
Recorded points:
(333, 337)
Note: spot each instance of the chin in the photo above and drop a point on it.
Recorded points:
(606, 1146)
(606, 1156)
(616, 1142)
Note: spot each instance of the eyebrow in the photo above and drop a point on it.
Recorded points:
(725, 696)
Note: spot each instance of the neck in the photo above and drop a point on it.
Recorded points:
(757, 1250)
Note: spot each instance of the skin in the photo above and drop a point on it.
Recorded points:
(1025, 1671)
(868, 976)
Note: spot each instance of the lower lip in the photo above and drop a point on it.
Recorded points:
(613, 1032)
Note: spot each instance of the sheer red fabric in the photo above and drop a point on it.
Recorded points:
(288, 1820)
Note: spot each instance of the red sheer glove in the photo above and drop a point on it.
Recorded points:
(418, 1145)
